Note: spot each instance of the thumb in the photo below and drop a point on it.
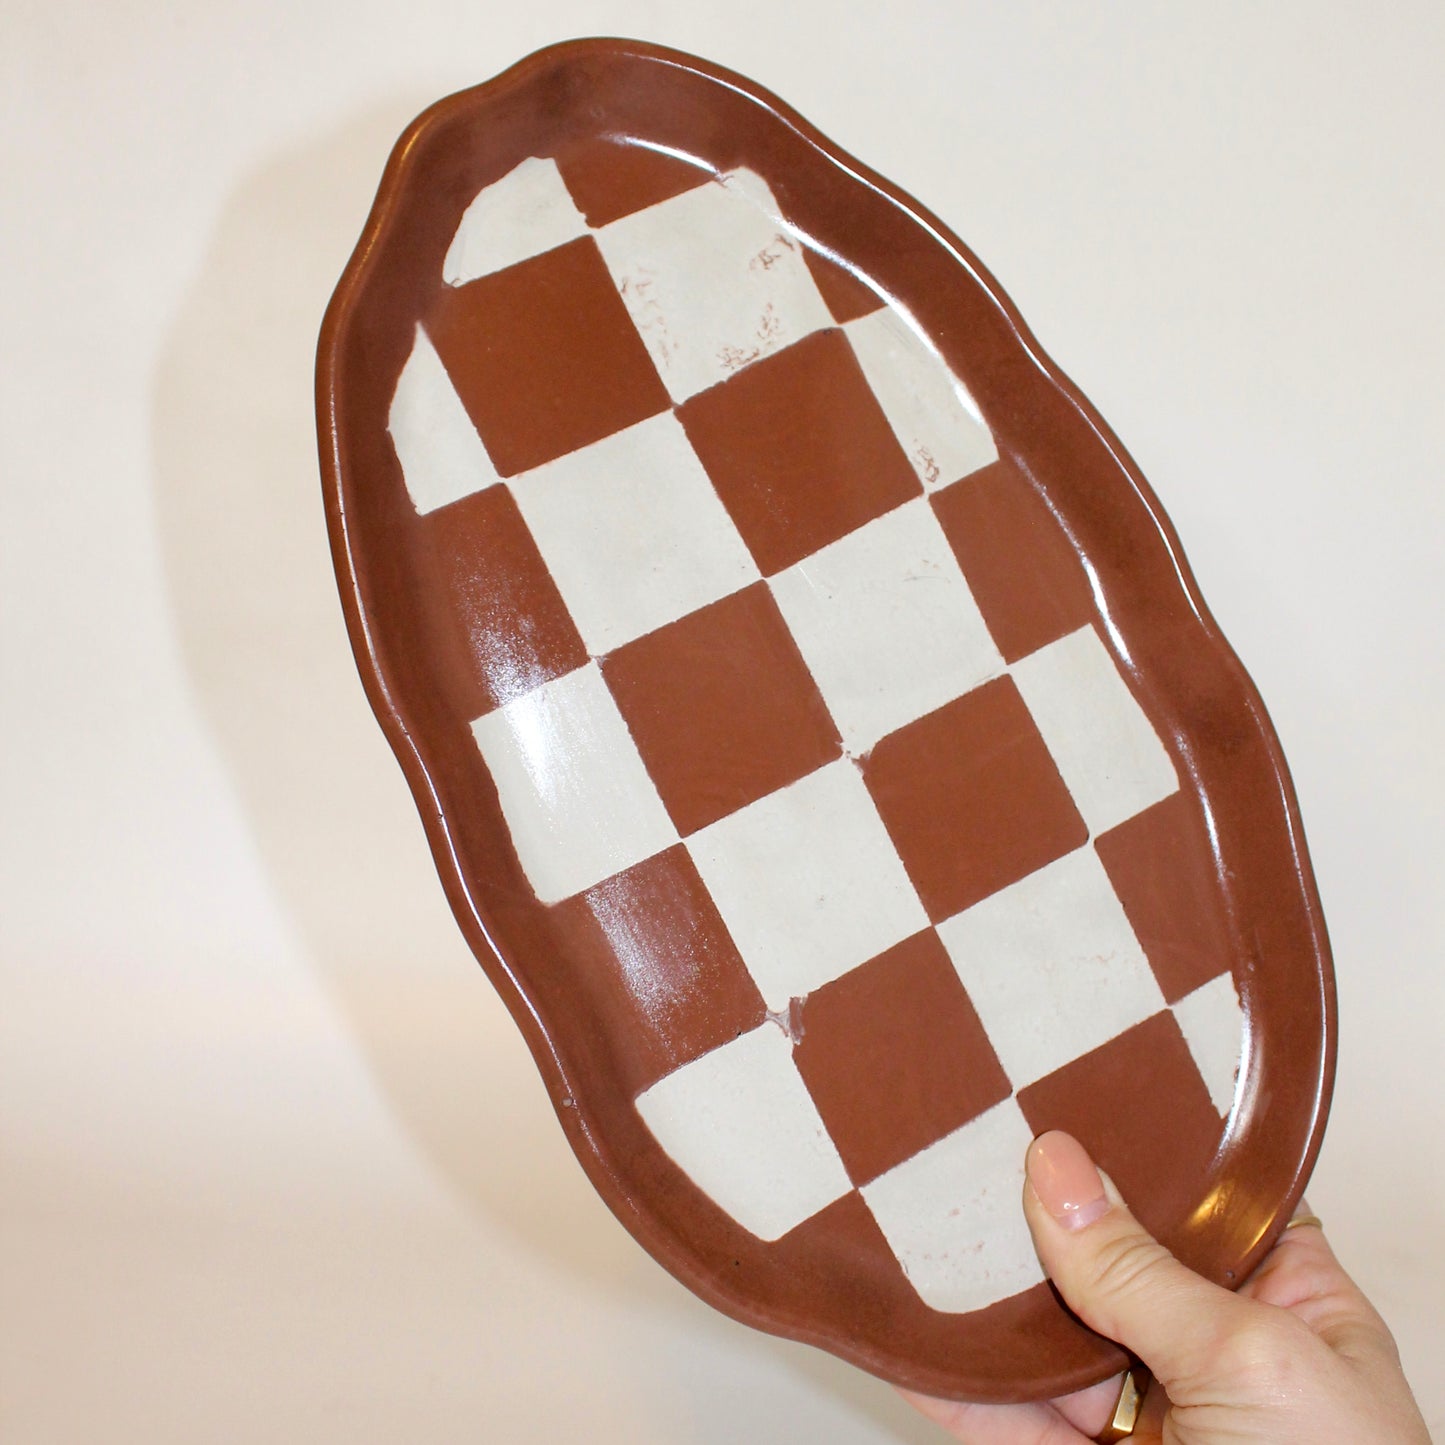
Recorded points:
(1113, 1274)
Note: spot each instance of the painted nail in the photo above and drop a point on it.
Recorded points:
(1065, 1180)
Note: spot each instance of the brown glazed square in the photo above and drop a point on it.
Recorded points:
(895, 1056)
(722, 707)
(652, 967)
(799, 450)
(544, 356)
(1166, 877)
(972, 799)
(1140, 1107)
(497, 599)
(609, 179)
(1025, 576)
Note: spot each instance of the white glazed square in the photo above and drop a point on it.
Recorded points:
(740, 1123)
(808, 882)
(936, 421)
(887, 624)
(1105, 747)
(633, 532)
(442, 457)
(1212, 1023)
(525, 213)
(713, 281)
(951, 1214)
(1052, 966)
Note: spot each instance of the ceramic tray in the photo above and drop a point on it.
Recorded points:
(819, 735)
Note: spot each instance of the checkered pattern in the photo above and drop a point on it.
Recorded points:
(774, 655)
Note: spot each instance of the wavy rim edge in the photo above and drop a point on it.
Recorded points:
(639, 1223)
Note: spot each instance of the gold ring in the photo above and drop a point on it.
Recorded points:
(1126, 1411)
(1313, 1220)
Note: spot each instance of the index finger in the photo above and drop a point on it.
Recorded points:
(1302, 1275)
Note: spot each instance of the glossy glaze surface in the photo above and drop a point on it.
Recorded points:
(818, 733)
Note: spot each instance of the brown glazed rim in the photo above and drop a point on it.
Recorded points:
(1292, 1103)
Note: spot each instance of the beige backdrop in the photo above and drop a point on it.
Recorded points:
(273, 1164)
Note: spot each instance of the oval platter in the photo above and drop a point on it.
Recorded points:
(818, 732)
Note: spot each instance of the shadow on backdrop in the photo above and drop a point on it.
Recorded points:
(256, 608)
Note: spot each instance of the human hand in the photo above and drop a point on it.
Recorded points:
(1297, 1357)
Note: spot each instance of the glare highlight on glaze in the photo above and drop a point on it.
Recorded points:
(579, 800)
(935, 419)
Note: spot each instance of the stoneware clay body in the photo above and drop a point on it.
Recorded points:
(819, 735)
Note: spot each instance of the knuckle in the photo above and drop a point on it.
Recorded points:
(1122, 1265)
(1259, 1350)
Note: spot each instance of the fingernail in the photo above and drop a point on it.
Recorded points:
(1063, 1176)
